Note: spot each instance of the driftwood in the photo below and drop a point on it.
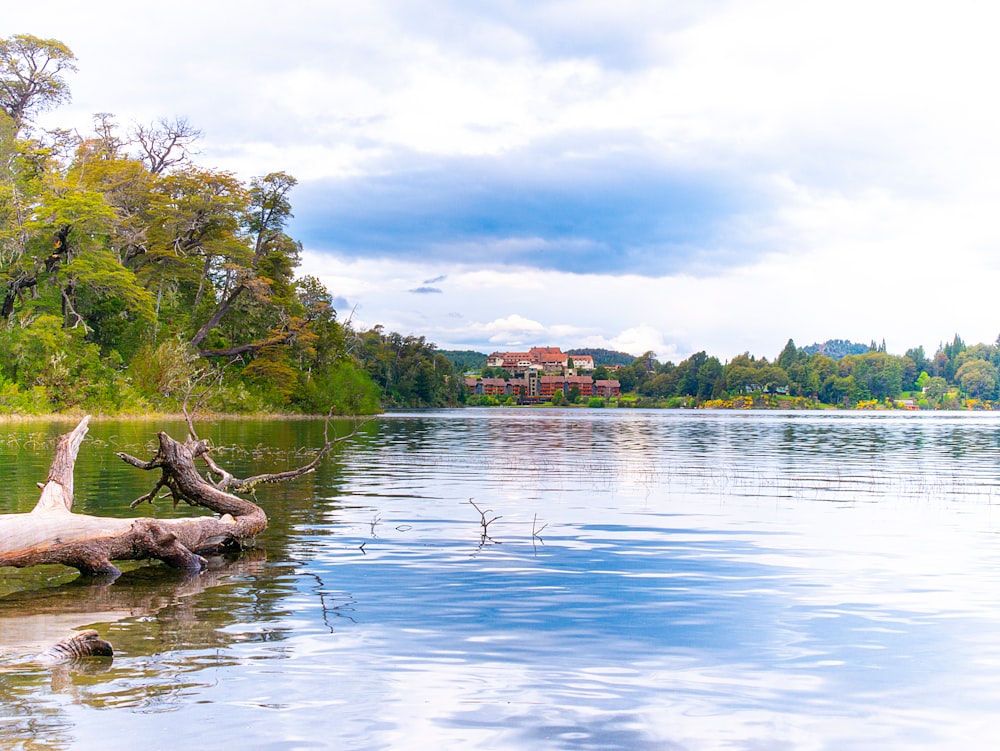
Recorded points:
(52, 533)
(84, 644)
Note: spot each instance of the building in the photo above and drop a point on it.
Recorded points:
(545, 359)
(533, 388)
(549, 385)
(536, 376)
(514, 362)
(607, 388)
(489, 386)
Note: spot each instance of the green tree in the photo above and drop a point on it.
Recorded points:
(264, 270)
(789, 356)
(31, 76)
(919, 358)
(937, 387)
(709, 375)
(978, 379)
(838, 390)
(688, 384)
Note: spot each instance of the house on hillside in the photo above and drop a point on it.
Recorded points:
(550, 360)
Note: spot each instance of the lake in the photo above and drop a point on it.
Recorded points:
(538, 579)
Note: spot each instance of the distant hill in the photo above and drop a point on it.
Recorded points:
(837, 348)
(465, 359)
(606, 357)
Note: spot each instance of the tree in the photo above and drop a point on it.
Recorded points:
(31, 77)
(789, 356)
(269, 212)
(688, 384)
(709, 374)
(920, 360)
(23, 170)
(978, 379)
(118, 237)
(191, 237)
(838, 389)
(937, 387)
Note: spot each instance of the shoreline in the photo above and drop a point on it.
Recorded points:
(73, 417)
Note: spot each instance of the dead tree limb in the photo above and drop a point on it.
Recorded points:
(52, 533)
(226, 481)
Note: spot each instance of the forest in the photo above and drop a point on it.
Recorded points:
(958, 376)
(132, 277)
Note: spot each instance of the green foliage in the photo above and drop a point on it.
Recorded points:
(872, 377)
(50, 367)
(464, 361)
(127, 273)
(352, 391)
(409, 371)
(836, 348)
(605, 357)
(31, 75)
(978, 379)
(166, 370)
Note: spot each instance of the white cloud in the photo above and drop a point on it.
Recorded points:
(638, 340)
(866, 131)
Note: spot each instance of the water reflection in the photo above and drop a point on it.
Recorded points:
(701, 581)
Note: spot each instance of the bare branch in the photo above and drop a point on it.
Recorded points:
(165, 144)
(202, 375)
(236, 485)
(485, 524)
(71, 311)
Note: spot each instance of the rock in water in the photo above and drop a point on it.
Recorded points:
(84, 644)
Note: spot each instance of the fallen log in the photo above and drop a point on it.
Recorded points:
(52, 533)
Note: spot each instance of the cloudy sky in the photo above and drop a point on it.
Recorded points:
(633, 174)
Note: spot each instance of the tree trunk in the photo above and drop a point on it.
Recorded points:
(52, 533)
(220, 311)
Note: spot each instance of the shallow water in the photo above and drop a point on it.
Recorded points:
(660, 580)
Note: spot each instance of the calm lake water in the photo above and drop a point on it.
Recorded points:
(644, 580)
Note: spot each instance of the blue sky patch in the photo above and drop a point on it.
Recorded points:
(599, 215)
